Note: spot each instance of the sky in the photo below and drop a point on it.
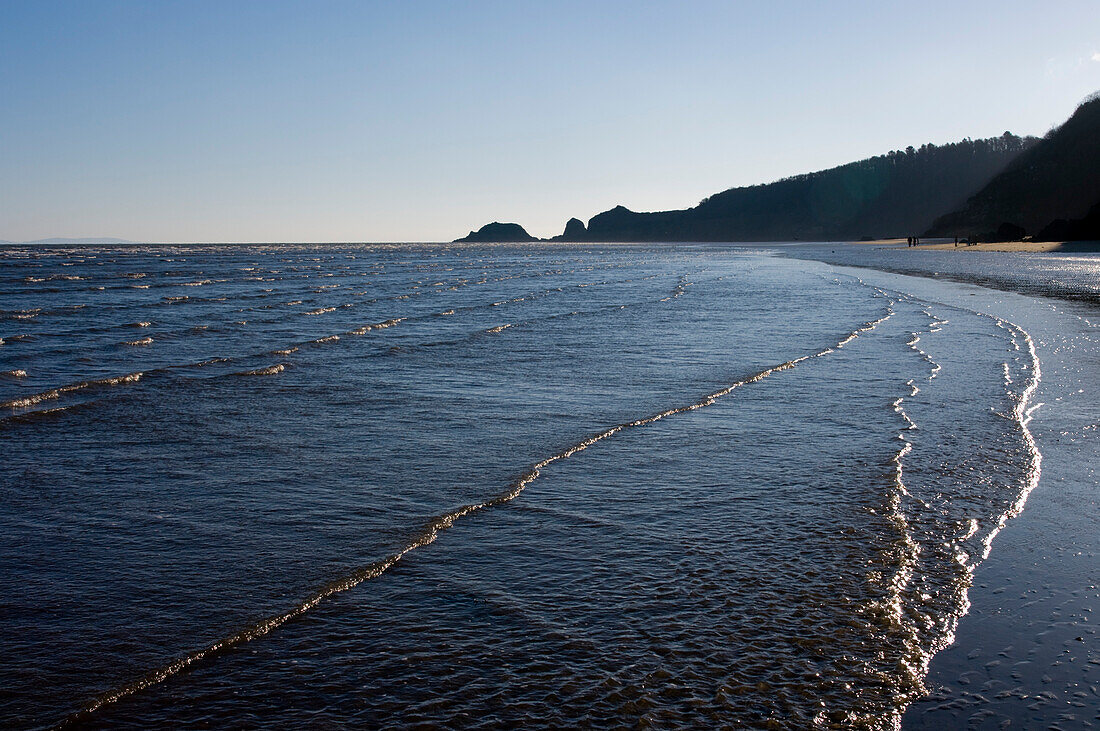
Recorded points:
(411, 120)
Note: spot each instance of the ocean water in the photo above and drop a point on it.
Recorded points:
(486, 486)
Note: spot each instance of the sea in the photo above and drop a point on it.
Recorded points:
(490, 486)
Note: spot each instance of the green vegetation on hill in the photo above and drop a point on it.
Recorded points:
(897, 194)
(993, 189)
(1058, 178)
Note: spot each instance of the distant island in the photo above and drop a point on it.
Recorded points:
(497, 233)
(995, 189)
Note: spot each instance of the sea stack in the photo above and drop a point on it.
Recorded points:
(574, 231)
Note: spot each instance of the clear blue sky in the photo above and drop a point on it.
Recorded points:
(408, 120)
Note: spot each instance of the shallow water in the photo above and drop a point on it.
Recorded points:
(1028, 651)
(483, 486)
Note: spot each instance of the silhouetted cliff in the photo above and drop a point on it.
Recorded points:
(498, 233)
(1058, 178)
(897, 194)
(574, 231)
(1078, 229)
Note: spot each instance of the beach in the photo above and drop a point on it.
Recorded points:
(1024, 247)
(1027, 654)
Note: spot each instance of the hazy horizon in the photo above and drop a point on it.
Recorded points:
(369, 122)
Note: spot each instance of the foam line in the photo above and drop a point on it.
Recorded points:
(54, 393)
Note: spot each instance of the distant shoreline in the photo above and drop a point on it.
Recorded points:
(1033, 247)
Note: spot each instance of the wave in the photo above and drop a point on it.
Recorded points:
(498, 328)
(429, 533)
(53, 393)
(913, 664)
(267, 371)
(376, 326)
(140, 341)
(202, 363)
(1021, 414)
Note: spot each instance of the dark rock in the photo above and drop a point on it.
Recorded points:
(1010, 232)
(1005, 232)
(1078, 229)
(574, 231)
(497, 233)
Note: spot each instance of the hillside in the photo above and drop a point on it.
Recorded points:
(897, 194)
(1058, 178)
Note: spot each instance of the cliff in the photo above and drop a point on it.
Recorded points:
(1057, 178)
(897, 194)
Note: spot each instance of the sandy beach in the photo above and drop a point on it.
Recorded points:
(1032, 247)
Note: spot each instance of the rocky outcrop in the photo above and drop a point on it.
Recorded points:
(1077, 229)
(497, 233)
(574, 231)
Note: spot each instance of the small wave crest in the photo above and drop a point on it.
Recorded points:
(375, 326)
(54, 393)
(266, 371)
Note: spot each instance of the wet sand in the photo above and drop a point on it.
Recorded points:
(1033, 247)
(1028, 653)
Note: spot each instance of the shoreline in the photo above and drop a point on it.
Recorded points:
(1027, 652)
(1030, 247)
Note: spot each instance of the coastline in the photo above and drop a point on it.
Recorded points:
(1031, 247)
(1027, 653)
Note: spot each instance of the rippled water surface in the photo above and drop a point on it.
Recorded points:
(663, 486)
